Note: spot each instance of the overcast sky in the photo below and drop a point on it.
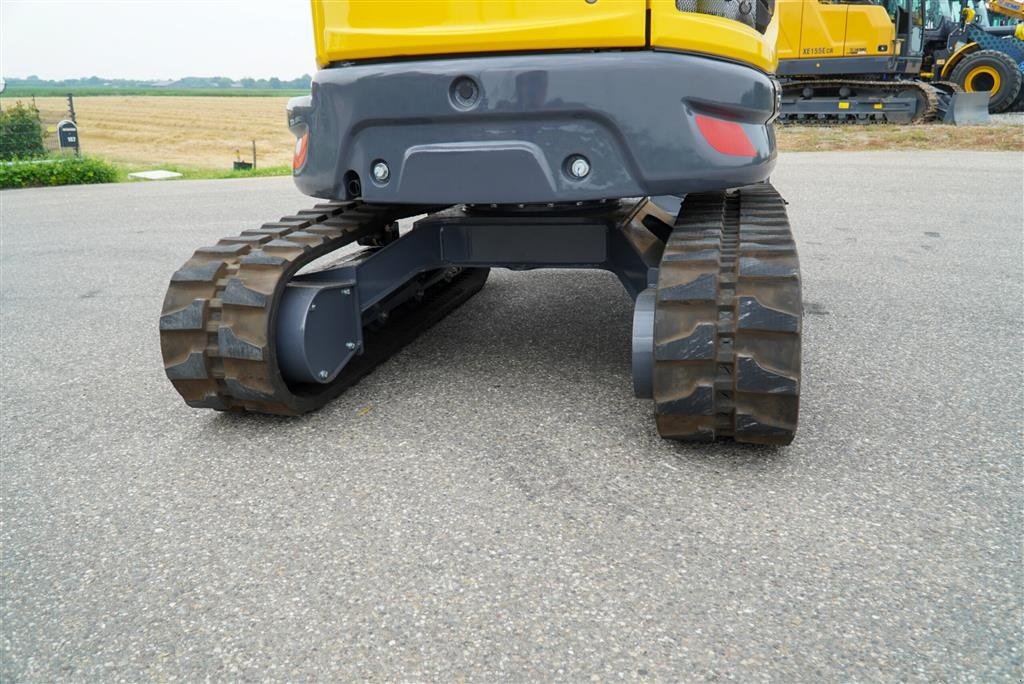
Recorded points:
(159, 39)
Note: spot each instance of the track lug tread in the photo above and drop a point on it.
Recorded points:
(192, 317)
(223, 250)
(210, 401)
(699, 402)
(199, 273)
(192, 368)
(239, 390)
(261, 258)
(244, 239)
(750, 429)
(270, 233)
(697, 346)
(751, 266)
(752, 377)
(755, 316)
(237, 294)
(230, 346)
(702, 288)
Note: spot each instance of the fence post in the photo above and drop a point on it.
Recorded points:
(254, 154)
(71, 113)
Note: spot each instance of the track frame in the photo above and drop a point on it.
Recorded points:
(250, 325)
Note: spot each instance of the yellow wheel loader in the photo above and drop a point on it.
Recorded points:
(976, 55)
(632, 136)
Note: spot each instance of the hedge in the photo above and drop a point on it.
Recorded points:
(21, 132)
(56, 171)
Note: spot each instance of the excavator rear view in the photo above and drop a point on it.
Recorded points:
(632, 136)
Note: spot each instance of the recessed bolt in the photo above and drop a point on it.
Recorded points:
(381, 172)
(323, 374)
(579, 167)
(350, 345)
(464, 93)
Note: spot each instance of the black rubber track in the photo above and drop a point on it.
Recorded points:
(217, 329)
(927, 99)
(728, 319)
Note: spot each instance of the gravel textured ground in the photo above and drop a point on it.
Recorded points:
(493, 503)
(1014, 118)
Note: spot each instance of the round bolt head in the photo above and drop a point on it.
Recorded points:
(579, 167)
(323, 374)
(381, 172)
(350, 345)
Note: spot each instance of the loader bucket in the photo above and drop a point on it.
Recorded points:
(966, 109)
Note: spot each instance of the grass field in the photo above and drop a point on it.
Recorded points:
(202, 133)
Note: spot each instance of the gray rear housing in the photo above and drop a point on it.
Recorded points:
(505, 129)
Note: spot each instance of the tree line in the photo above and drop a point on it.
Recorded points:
(273, 83)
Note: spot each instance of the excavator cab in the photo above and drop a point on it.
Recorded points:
(908, 18)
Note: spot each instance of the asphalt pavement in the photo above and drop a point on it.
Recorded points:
(493, 503)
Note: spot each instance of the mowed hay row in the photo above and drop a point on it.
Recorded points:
(997, 136)
(199, 132)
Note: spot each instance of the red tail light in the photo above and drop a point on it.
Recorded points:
(301, 147)
(726, 137)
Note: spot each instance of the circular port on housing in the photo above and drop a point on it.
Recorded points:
(353, 188)
(464, 92)
(577, 166)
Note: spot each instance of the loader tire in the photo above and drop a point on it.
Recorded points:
(993, 71)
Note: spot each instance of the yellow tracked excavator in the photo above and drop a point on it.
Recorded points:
(633, 136)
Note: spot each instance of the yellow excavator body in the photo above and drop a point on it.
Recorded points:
(353, 30)
(816, 30)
